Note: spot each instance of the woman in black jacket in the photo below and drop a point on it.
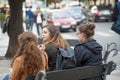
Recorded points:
(38, 20)
(52, 40)
(88, 52)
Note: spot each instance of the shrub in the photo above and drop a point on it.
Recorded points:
(2, 16)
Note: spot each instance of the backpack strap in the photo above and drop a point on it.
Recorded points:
(58, 59)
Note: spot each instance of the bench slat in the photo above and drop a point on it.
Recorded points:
(78, 73)
(71, 42)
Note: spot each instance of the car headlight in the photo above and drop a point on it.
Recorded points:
(73, 22)
(57, 24)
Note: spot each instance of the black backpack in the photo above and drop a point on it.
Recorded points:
(65, 58)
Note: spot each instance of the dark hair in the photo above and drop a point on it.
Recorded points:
(38, 8)
(30, 7)
(87, 29)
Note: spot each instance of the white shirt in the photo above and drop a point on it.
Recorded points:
(94, 9)
(39, 19)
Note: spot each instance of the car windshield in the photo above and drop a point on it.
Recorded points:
(74, 13)
(60, 14)
(75, 9)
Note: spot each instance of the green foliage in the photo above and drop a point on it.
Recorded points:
(2, 16)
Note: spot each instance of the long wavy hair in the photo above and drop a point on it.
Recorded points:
(55, 37)
(32, 61)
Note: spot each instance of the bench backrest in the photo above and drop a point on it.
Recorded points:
(76, 73)
(71, 42)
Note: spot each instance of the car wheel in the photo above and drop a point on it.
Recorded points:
(93, 19)
(74, 29)
(109, 20)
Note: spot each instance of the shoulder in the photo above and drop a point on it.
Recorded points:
(78, 46)
(50, 49)
(19, 59)
(50, 45)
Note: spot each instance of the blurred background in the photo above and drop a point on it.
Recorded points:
(91, 10)
(67, 15)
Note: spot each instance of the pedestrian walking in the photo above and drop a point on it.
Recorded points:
(6, 24)
(30, 15)
(116, 17)
(2, 14)
(38, 20)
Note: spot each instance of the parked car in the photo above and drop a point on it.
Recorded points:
(75, 8)
(78, 16)
(61, 19)
(102, 15)
(78, 13)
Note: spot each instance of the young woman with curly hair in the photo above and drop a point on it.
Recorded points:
(28, 59)
(52, 40)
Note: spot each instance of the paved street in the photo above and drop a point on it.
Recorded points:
(103, 35)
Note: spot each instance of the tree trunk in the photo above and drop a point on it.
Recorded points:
(95, 2)
(16, 26)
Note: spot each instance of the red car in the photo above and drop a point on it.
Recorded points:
(61, 19)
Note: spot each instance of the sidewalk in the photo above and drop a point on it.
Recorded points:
(4, 67)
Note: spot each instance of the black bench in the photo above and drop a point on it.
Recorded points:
(77, 73)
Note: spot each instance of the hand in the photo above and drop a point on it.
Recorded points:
(10, 70)
(41, 47)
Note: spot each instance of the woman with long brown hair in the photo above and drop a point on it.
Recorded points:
(28, 59)
(52, 40)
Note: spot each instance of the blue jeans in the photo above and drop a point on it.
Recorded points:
(38, 25)
(30, 24)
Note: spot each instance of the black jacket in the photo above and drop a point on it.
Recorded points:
(51, 51)
(41, 18)
(89, 55)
